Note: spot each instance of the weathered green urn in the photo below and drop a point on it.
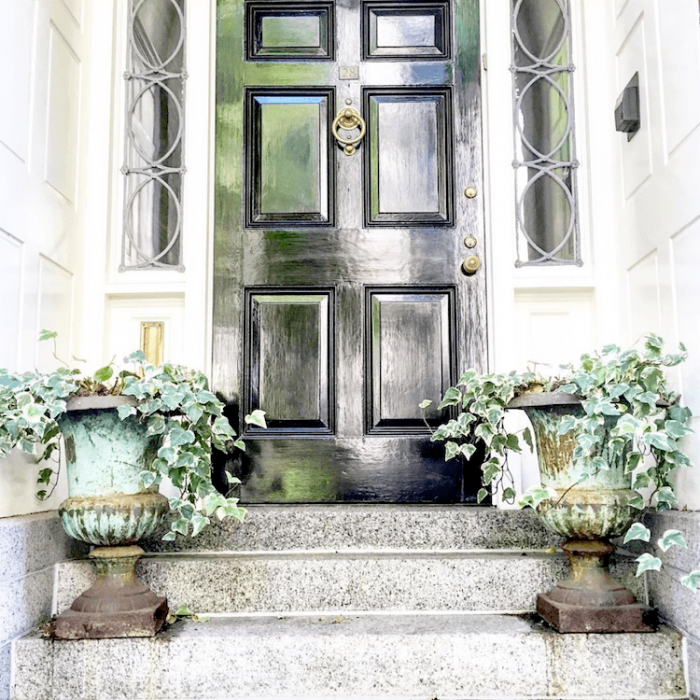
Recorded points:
(588, 512)
(109, 508)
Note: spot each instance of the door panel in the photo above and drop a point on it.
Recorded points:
(417, 327)
(406, 30)
(408, 151)
(290, 337)
(290, 158)
(339, 303)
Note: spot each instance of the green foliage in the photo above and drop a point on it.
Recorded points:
(647, 562)
(638, 531)
(173, 401)
(692, 580)
(479, 424)
(630, 386)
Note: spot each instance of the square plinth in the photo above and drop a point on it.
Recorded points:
(145, 622)
(589, 619)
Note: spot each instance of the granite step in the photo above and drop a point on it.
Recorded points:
(456, 656)
(342, 582)
(341, 527)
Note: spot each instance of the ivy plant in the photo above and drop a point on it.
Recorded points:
(175, 404)
(631, 385)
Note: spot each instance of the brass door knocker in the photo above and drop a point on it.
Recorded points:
(349, 119)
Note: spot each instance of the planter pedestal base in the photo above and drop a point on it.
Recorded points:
(117, 604)
(590, 600)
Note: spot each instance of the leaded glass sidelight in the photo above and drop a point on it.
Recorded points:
(153, 167)
(545, 157)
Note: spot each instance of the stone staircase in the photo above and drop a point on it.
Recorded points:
(354, 601)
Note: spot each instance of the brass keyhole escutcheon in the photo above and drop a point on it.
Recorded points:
(471, 264)
(470, 192)
(470, 242)
(349, 119)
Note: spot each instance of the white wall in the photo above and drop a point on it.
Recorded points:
(657, 180)
(44, 81)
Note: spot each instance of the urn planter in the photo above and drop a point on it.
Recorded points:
(589, 513)
(108, 507)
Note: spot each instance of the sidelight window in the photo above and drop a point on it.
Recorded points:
(545, 155)
(153, 162)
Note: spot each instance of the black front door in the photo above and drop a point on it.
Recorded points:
(339, 298)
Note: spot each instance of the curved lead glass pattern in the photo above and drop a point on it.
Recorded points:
(545, 156)
(153, 161)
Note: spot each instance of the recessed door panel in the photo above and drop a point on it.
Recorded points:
(410, 356)
(290, 178)
(290, 360)
(406, 31)
(289, 31)
(408, 159)
(339, 300)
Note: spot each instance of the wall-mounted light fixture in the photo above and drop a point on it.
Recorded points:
(627, 112)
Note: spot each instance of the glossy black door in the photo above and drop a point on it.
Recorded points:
(339, 302)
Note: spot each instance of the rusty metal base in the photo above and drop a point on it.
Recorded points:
(580, 618)
(117, 604)
(591, 600)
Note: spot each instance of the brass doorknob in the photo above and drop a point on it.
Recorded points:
(471, 264)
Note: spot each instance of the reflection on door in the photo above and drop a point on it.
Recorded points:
(339, 303)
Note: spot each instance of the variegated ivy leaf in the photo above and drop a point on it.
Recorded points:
(481, 495)
(647, 562)
(671, 538)
(665, 495)
(425, 404)
(125, 411)
(451, 397)
(451, 450)
(467, 450)
(637, 531)
(692, 580)
(148, 479)
(659, 440)
(676, 429)
(257, 417)
(490, 470)
(535, 495)
(566, 424)
(509, 494)
(636, 502)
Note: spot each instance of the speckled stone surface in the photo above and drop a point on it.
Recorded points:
(348, 527)
(25, 602)
(29, 547)
(694, 667)
(5, 662)
(678, 604)
(447, 656)
(276, 582)
(32, 542)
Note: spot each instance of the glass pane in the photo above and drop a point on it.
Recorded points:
(155, 122)
(154, 199)
(545, 160)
